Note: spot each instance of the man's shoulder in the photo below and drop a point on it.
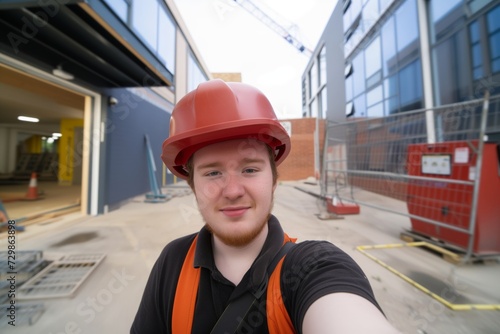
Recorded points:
(314, 251)
(316, 246)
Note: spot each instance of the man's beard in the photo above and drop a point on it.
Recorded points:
(241, 239)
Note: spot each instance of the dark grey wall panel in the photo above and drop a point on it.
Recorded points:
(127, 123)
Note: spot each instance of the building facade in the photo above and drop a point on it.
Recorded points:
(402, 55)
(101, 77)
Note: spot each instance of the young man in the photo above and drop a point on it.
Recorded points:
(235, 275)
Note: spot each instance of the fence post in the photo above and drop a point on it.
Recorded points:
(477, 181)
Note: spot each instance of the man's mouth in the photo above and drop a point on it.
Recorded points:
(234, 211)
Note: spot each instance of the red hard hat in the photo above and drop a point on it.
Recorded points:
(217, 111)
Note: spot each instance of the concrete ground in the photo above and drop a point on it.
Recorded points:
(133, 236)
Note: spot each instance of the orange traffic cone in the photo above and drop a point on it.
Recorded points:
(32, 193)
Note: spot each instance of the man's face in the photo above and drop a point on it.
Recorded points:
(234, 188)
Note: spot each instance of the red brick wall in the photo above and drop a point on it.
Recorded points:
(228, 77)
(299, 164)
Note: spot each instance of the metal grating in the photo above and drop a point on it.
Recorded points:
(83, 258)
(61, 278)
(25, 261)
(27, 265)
(26, 314)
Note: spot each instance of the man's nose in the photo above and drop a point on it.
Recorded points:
(233, 187)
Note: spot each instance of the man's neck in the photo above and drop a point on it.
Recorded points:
(234, 261)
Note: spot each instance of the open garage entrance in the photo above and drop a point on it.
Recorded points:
(52, 148)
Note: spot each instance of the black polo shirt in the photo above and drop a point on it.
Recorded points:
(311, 269)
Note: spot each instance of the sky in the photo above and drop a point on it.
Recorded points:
(230, 39)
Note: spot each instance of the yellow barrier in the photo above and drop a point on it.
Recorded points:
(455, 307)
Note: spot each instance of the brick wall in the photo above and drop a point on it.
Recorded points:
(299, 164)
(227, 77)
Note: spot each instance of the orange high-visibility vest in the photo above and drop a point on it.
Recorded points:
(278, 320)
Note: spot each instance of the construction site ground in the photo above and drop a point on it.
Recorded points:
(132, 237)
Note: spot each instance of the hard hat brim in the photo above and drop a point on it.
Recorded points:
(177, 150)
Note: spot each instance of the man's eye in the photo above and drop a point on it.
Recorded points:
(213, 173)
(250, 170)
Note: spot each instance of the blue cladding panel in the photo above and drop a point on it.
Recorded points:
(126, 152)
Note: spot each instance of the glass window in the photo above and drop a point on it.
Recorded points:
(406, 24)
(322, 66)
(391, 94)
(452, 85)
(474, 32)
(410, 86)
(314, 108)
(376, 110)
(493, 19)
(166, 41)
(353, 40)
(494, 37)
(477, 64)
(348, 89)
(348, 70)
(355, 8)
(443, 74)
(324, 103)
(358, 74)
(194, 73)
(391, 105)
(476, 5)
(349, 109)
(374, 96)
(440, 8)
(370, 14)
(384, 4)
(120, 7)
(495, 52)
(313, 78)
(389, 63)
(347, 19)
(391, 86)
(360, 106)
(145, 21)
(476, 52)
(350, 17)
(373, 80)
(347, 47)
(446, 17)
(373, 58)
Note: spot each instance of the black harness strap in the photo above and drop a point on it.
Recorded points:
(234, 314)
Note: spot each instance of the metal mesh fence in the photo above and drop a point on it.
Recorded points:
(431, 159)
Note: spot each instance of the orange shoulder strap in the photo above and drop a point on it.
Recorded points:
(278, 319)
(185, 294)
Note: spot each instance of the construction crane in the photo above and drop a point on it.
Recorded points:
(250, 7)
